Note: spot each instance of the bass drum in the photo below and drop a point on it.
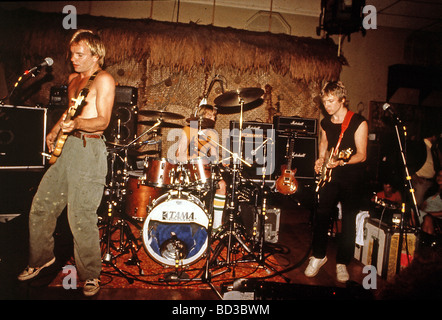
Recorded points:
(176, 229)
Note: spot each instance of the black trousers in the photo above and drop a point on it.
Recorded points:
(347, 190)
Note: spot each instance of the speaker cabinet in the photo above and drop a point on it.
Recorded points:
(303, 156)
(123, 125)
(22, 137)
(342, 16)
(257, 148)
(381, 246)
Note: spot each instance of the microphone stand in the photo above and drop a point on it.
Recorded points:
(411, 189)
(19, 80)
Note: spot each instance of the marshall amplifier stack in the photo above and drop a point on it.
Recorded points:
(266, 146)
(301, 133)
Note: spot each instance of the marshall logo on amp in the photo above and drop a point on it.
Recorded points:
(299, 155)
(306, 126)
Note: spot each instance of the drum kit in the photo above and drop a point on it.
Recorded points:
(171, 205)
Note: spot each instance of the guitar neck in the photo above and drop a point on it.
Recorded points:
(290, 152)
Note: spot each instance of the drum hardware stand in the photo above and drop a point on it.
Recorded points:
(107, 257)
(125, 230)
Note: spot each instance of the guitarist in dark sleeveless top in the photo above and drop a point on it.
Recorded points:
(77, 178)
(345, 178)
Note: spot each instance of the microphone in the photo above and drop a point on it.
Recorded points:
(387, 107)
(47, 62)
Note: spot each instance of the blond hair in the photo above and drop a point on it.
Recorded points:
(93, 41)
(335, 88)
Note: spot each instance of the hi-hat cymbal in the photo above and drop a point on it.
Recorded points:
(160, 114)
(203, 123)
(234, 98)
(163, 124)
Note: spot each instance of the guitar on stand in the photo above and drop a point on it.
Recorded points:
(286, 183)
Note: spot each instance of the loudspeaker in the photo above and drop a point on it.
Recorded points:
(303, 156)
(342, 16)
(123, 125)
(257, 146)
(22, 137)
(380, 249)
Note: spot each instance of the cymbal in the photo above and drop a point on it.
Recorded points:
(233, 98)
(163, 124)
(161, 114)
(204, 123)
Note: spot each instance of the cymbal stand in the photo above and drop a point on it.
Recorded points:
(231, 229)
(262, 215)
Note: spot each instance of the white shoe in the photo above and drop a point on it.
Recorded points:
(314, 265)
(30, 272)
(341, 273)
(91, 287)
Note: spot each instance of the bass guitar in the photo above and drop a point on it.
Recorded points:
(74, 110)
(287, 183)
(325, 174)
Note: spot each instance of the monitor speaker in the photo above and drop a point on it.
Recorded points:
(123, 125)
(22, 137)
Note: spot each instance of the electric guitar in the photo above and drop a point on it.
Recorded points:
(74, 111)
(325, 174)
(287, 183)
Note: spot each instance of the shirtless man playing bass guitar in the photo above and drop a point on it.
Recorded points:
(77, 175)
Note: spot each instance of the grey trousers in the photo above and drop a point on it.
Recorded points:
(75, 180)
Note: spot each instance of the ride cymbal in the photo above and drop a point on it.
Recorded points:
(234, 98)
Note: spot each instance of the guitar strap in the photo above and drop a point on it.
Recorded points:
(85, 90)
(344, 127)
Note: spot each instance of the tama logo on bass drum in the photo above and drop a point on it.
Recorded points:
(178, 216)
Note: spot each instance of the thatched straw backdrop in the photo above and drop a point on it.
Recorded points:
(172, 64)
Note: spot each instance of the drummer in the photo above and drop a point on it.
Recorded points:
(194, 144)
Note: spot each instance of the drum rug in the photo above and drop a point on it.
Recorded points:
(127, 263)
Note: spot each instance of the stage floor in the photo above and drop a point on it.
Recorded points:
(290, 254)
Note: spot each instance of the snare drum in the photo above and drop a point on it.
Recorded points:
(159, 172)
(176, 229)
(139, 196)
